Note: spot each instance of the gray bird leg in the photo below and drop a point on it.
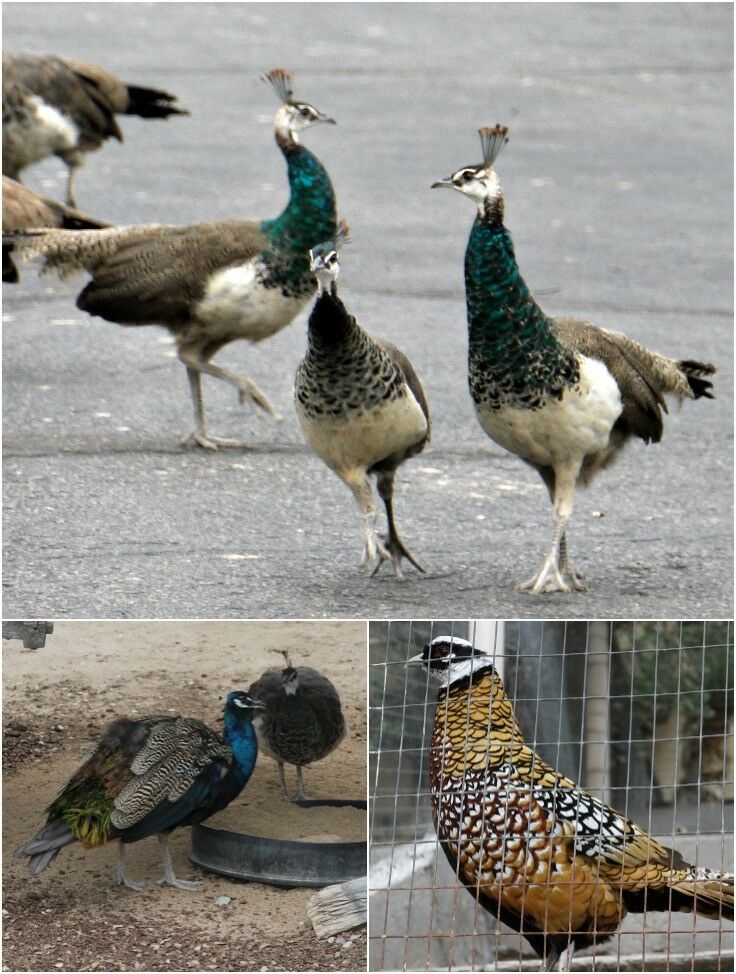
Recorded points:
(373, 547)
(565, 961)
(71, 196)
(300, 792)
(120, 877)
(194, 360)
(200, 436)
(394, 545)
(168, 878)
(549, 578)
(567, 568)
(282, 779)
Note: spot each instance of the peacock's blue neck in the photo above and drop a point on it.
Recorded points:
(514, 354)
(310, 218)
(241, 736)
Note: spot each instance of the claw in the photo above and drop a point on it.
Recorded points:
(208, 442)
(393, 550)
(547, 580)
(188, 884)
(249, 392)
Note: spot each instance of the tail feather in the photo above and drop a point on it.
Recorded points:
(65, 251)
(46, 845)
(151, 103)
(708, 893)
(694, 373)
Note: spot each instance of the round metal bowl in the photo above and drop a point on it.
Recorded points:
(279, 862)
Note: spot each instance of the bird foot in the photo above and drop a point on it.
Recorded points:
(122, 880)
(188, 884)
(575, 579)
(547, 580)
(249, 392)
(208, 442)
(373, 547)
(394, 550)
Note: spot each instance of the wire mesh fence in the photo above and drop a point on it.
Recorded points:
(640, 715)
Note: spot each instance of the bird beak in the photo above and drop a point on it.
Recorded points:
(419, 658)
(257, 705)
(325, 119)
(447, 183)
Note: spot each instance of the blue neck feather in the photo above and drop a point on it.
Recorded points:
(310, 218)
(241, 736)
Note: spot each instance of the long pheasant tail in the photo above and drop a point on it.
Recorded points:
(280, 81)
(711, 893)
(694, 373)
(492, 140)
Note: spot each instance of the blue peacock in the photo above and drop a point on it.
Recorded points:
(148, 776)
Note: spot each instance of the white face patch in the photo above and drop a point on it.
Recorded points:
(240, 703)
(291, 686)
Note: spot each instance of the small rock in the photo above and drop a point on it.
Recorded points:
(222, 900)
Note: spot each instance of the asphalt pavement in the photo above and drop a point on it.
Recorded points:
(618, 181)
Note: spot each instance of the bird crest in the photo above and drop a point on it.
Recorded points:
(280, 81)
(492, 140)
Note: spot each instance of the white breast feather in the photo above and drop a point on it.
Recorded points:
(235, 300)
(577, 425)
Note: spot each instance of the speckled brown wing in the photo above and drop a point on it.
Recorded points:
(412, 380)
(23, 209)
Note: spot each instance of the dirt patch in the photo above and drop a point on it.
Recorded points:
(57, 699)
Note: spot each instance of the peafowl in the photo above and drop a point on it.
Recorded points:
(561, 394)
(61, 107)
(209, 283)
(149, 776)
(24, 209)
(302, 721)
(360, 405)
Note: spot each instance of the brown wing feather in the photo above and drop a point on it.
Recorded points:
(156, 277)
(412, 380)
(23, 209)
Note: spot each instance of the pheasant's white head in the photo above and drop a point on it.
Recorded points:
(480, 182)
(449, 659)
(293, 116)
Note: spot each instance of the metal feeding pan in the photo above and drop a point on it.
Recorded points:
(280, 862)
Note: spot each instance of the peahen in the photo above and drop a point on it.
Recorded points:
(360, 405)
(302, 721)
(56, 106)
(149, 776)
(209, 283)
(561, 394)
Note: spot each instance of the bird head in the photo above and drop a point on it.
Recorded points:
(293, 116)
(449, 658)
(289, 675)
(480, 182)
(241, 704)
(324, 260)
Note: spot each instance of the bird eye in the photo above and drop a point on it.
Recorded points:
(304, 111)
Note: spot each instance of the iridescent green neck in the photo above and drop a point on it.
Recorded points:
(515, 355)
(310, 217)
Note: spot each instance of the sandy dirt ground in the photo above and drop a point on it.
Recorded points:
(57, 700)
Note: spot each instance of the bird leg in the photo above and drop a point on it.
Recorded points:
(282, 779)
(196, 363)
(559, 962)
(567, 568)
(392, 541)
(301, 794)
(200, 436)
(357, 481)
(549, 578)
(168, 878)
(120, 876)
(71, 196)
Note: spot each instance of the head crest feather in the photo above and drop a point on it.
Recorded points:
(280, 81)
(492, 140)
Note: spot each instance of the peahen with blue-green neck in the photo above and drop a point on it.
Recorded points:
(148, 776)
(209, 283)
(562, 394)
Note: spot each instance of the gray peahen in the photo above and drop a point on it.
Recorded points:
(149, 776)
(561, 394)
(360, 405)
(302, 721)
(61, 107)
(210, 283)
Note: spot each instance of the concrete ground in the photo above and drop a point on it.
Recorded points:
(618, 180)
